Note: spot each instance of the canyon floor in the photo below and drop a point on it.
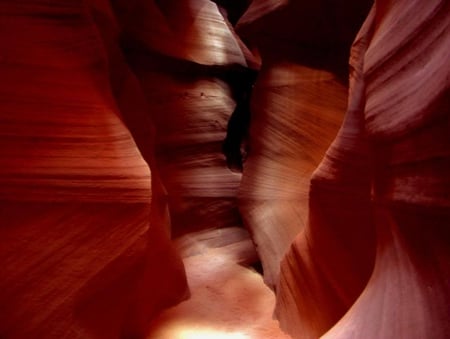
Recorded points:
(229, 299)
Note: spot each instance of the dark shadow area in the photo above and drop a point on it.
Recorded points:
(240, 80)
(234, 146)
(234, 9)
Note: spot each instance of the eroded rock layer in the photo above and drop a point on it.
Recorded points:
(190, 88)
(78, 251)
(381, 192)
(297, 106)
(113, 113)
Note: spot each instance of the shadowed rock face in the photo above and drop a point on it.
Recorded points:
(381, 192)
(235, 145)
(85, 211)
(233, 9)
(84, 227)
(191, 95)
(297, 107)
(112, 121)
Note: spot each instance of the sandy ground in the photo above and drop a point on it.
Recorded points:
(228, 300)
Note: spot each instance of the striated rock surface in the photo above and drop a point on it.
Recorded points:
(82, 236)
(296, 112)
(193, 30)
(379, 200)
(297, 106)
(260, 8)
(112, 121)
(190, 116)
(191, 98)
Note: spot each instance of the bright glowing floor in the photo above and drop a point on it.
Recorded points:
(228, 301)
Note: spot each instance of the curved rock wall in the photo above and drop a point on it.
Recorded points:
(93, 152)
(296, 112)
(78, 251)
(381, 192)
(298, 104)
(188, 89)
(185, 30)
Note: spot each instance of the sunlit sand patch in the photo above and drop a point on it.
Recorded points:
(228, 301)
(207, 334)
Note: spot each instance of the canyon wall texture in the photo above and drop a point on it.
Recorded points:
(112, 121)
(298, 104)
(188, 76)
(84, 240)
(381, 193)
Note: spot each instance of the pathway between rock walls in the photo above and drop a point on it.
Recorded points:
(229, 299)
(190, 95)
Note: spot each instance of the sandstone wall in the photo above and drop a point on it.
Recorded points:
(298, 105)
(381, 192)
(112, 118)
(185, 75)
(84, 248)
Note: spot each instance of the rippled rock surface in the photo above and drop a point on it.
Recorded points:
(373, 260)
(84, 241)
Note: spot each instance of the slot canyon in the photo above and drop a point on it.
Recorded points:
(227, 169)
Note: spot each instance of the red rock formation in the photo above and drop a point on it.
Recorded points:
(190, 101)
(186, 30)
(78, 251)
(386, 172)
(297, 107)
(94, 151)
(295, 114)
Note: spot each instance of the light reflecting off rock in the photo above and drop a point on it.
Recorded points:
(225, 296)
(209, 334)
